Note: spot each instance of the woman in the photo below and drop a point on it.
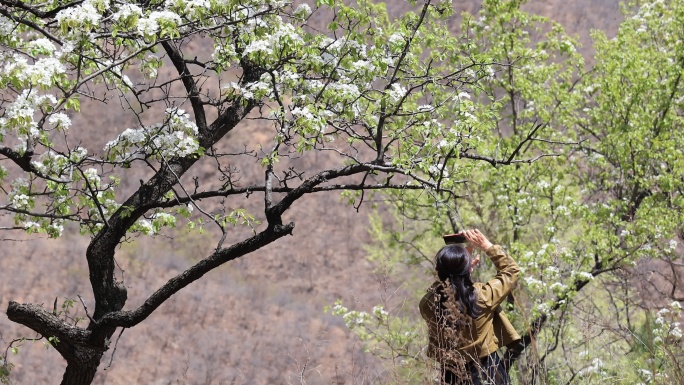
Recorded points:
(465, 324)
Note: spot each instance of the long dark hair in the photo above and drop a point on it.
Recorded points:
(452, 263)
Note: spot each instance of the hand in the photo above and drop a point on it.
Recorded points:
(477, 239)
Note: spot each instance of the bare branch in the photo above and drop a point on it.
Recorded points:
(131, 318)
(188, 82)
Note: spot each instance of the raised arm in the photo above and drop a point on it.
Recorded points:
(494, 291)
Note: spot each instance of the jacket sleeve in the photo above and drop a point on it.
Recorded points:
(495, 290)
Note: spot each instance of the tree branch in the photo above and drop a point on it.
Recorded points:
(177, 201)
(522, 142)
(24, 162)
(42, 14)
(188, 82)
(129, 319)
(496, 162)
(383, 114)
(48, 324)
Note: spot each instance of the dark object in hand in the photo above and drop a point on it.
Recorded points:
(454, 238)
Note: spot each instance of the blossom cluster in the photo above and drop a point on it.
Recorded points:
(189, 8)
(52, 163)
(157, 21)
(355, 319)
(19, 116)
(175, 137)
(81, 17)
(668, 328)
(153, 225)
(283, 35)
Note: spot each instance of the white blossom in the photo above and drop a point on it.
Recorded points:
(438, 169)
(566, 44)
(646, 373)
(542, 184)
(164, 219)
(343, 42)
(51, 162)
(338, 308)
(150, 26)
(259, 88)
(583, 275)
(671, 246)
(562, 210)
(44, 70)
(239, 90)
(127, 10)
(176, 137)
(31, 226)
(596, 366)
(534, 283)
(81, 14)
(77, 154)
(461, 96)
(145, 227)
(22, 107)
(363, 66)
(55, 230)
(558, 287)
(302, 112)
(60, 120)
(397, 92)
(258, 46)
(676, 332)
(389, 60)
(347, 91)
(21, 201)
(302, 11)
(19, 116)
(282, 32)
(6, 26)
(379, 311)
(66, 49)
(92, 177)
(289, 76)
(191, 8)
(543, 308)
(42, 44)
(395, 39)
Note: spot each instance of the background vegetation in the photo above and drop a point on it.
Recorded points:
(599, 297)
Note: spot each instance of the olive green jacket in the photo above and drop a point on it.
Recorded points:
(477, 337)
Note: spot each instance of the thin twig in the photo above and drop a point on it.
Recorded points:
(86, 309)
(116, 344)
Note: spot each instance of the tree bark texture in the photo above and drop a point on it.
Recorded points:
(73, 343)
(81, 373)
